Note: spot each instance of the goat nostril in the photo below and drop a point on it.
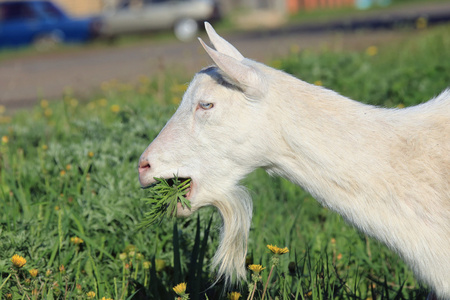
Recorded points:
(143, 166)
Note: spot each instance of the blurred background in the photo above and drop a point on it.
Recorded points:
(49, 48)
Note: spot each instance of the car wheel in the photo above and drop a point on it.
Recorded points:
(185, 29)
(47, 41)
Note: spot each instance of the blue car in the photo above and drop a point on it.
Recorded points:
(42, 24)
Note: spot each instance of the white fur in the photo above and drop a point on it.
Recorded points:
(386, 171)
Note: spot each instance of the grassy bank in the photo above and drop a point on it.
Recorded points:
(70, 200)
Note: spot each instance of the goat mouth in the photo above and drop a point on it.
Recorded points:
(181, 182)
(172, 181)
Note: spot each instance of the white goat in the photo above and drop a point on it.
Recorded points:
(386, 171)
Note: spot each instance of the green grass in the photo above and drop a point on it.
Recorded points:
(340, 13)
(69, 169)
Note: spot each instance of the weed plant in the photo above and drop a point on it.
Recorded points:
(70, 199)
(164, 197)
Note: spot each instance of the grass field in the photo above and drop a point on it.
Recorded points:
(71, 202)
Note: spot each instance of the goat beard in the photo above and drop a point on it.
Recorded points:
(235, 207)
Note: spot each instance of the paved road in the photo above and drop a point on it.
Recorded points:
(24, 81)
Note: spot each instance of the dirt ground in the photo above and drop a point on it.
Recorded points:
(24, 81)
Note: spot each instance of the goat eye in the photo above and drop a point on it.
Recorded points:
(205, 105)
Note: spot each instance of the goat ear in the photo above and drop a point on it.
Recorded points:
(243, 76)
(221, 44)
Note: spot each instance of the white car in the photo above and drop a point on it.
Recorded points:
(183, 16)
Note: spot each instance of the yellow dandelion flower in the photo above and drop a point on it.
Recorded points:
(76, 240)
(115, 108)
(33, 272)
(421, 23)
(44, 103)
(176, 100)
(104, 298)
(5, 139)
(62, 173)
(146, 265)
(18, 261)
(144, 79)
(180, 289)
(278, 251)
(48, 112)
(339, 257)
(318, 83)
(90, 295)
(234, 296)
(401, 105)
(276, 64)
(73, 102)
(333, 241)
(256, 268)
(179, 88)
(5, 119)
(103, 102)
(91, 154)
(129, 248)
(48, 273)
(8, 296)
(372, 51)
(160, 264)
(44, 147)
(62, 269)
(68, 167)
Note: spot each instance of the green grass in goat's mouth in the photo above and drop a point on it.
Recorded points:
(163, 199)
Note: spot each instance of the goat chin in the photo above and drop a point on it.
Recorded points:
(235, 207)
(184, 212)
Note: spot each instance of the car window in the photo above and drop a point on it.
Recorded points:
(16, 11)
(158, 1)
(51, 10)
(131, 3)
(139, 3)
